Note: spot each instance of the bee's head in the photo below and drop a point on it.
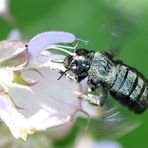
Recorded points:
(79, 64)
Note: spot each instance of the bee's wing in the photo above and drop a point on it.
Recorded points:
(119, 29)
(112, 124)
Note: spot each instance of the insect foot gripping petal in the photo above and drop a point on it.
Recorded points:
(93, 99)
(97, 100)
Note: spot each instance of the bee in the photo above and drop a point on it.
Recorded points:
(126, 84)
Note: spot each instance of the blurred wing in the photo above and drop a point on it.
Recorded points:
(112, 124)
(119, 29)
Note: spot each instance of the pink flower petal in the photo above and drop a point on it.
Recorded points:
(13, 54)
(41, 41)
(13, 119)
(52, 102)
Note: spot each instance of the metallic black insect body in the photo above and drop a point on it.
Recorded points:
(125, 83)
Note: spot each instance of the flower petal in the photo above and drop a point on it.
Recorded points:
(13, 54)
(88, 142)
(106, 144)
(47, 56)
(14, 35)
(12, 118)
(41, 41)
(4, 11)
(51, 103)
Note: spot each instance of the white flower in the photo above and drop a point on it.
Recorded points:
(31, 97)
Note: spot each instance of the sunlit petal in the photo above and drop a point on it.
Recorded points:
(51, 102)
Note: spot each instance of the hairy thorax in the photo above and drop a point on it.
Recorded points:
(102, 69)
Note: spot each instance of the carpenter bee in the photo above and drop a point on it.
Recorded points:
(125, 83)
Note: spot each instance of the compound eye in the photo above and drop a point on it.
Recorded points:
(75, 67)
(86, 64)
(67, 61)
(82, 52)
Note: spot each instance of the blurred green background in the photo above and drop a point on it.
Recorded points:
(107, 24)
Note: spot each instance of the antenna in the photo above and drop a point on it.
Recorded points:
(62, 74)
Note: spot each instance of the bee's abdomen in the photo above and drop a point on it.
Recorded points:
(131, 89)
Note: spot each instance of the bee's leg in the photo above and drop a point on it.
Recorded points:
(97, 100)
(92, 99)
(103, 94)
